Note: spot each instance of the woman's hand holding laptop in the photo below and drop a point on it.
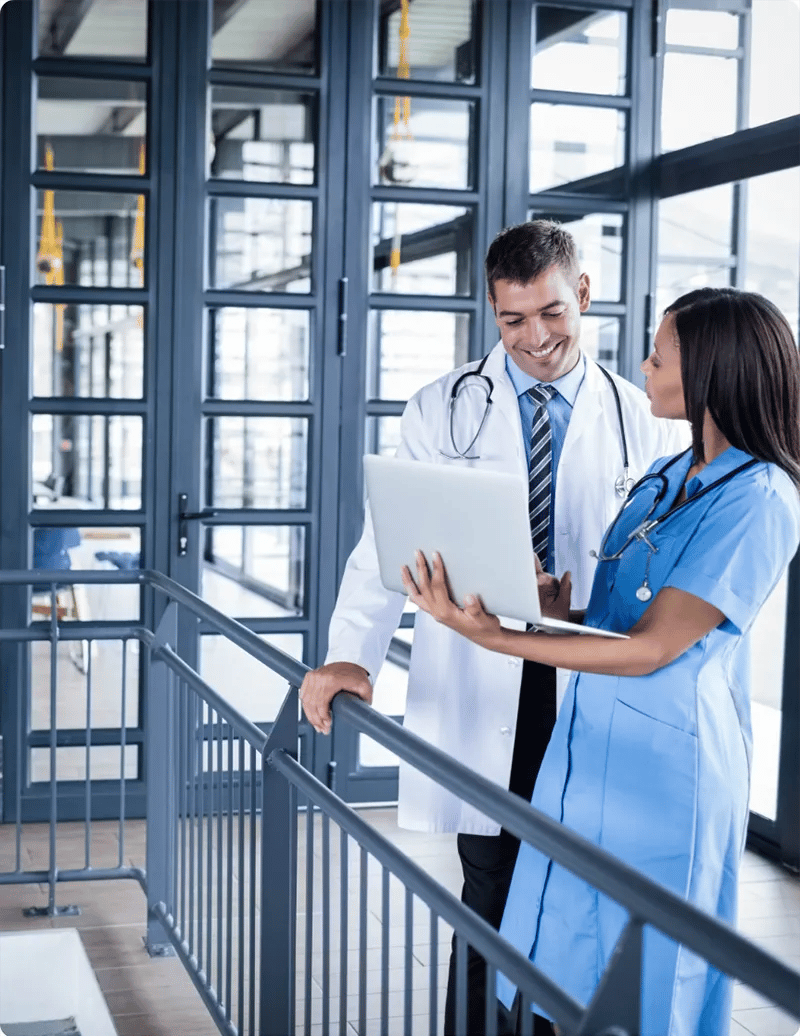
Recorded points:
(430, 592)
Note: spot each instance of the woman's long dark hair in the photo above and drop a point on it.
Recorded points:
(739, 361)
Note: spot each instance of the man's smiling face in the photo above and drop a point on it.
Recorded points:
(540, 322)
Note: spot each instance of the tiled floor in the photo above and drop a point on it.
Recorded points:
(156, 998)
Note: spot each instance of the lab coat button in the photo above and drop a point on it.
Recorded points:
(506, 731)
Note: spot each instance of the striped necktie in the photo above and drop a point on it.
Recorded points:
(540, 471)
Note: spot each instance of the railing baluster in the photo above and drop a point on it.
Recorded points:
(122, 750)
(461, 983)
(87, 777)
(229, 884)
(220, 853)
(362, 942)
(325, 902)
(183, 776)
(433, 971)
(344, 890)
(409, 957)
(23, 757)
(385, 924)
(209, 849)
(53, 819)
(242, 811)
(491, 1000)
(309, 935)
(200, 734)
(192, 780)
(253, 969)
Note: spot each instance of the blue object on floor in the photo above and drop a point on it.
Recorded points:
(125, 560)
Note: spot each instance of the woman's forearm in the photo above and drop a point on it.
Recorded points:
(638, 656)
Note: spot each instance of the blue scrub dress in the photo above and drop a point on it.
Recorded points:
(656, 769)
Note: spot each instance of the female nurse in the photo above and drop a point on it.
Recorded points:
(650, 756)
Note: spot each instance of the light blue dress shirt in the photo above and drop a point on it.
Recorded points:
(559, 410)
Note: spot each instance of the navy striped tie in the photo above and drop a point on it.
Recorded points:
(540, 471)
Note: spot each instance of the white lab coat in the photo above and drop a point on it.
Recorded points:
(463, 698)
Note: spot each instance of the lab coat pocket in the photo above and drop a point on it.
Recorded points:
(650, 796)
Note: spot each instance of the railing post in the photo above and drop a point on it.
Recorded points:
(278, 880)
(160, 784)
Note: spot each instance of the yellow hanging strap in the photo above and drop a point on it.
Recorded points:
(50, 257)
(402, 112)
(137, 247)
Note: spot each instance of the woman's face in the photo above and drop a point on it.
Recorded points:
(662, 368)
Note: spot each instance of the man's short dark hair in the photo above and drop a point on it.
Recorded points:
(522, 253)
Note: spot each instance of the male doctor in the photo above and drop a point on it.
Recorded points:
(495, 713)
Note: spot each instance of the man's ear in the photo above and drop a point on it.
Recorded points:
(584, 292)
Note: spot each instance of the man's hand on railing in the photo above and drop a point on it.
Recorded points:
(320, 686)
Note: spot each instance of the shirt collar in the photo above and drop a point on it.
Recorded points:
(567, 385)
(718, 468)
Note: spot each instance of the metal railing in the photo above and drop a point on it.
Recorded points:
(284, 927)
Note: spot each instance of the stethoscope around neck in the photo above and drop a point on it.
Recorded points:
(623, 483)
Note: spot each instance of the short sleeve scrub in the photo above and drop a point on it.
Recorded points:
(656, 769)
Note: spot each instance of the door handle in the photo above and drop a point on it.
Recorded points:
(184, 517)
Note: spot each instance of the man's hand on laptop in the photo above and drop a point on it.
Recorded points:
(554, 594)
(320, 686)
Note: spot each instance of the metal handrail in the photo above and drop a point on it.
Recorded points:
(646, 900)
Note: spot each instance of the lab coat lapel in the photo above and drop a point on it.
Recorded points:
(588, 410)
(504, 401)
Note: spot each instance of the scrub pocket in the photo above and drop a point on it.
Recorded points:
(650, 796)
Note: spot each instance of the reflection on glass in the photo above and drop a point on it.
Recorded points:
(255, 570)
(259, 353)
(599, 237)
(694, 242)
(421, 249)
(91, 125)
(383, 435)
(258, 461)
(715, 30)
(774, 32)
(579, 50)
(600, 340)
(88, 350)
(91, 239)
(435, 149)
(244, 682)
(71, 698)
(271, 35)
(264, 135)
(115, 29)
(767, 643)
(409, 348)
(92, 461)
(771, 248)
(440, 44)
(685, 122)
(570, 142)
(261, 244)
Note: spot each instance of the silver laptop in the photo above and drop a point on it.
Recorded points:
(476, 519)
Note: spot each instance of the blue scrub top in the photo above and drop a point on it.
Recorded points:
(655, 769)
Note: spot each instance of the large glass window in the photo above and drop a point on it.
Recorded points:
(774, 61)
(433, 150)
(91, 239)
(440, 41)
(770, 253)
(409, 348)
(259, 353)
(256, 570)
(571, 142)
(106, 29)
(90, 350)
(278, 36)
(258, 462)
(422, 249)
(261, 244)
(264, 135)
(91, 125)
(579, 49)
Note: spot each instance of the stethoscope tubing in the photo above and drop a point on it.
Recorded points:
(623, 484)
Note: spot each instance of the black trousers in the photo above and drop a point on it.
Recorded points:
(488, 860)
